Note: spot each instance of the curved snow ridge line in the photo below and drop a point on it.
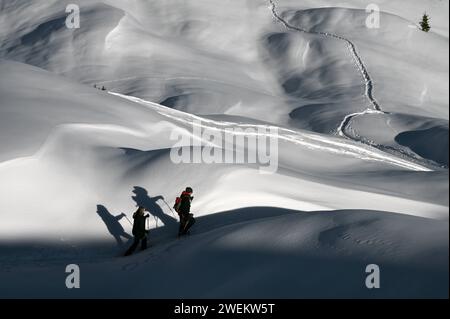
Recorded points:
(345, 124)
(191, 78)
(351, 46)
(14, 161)
(74, 129)
(395, 151)
(348, 119)
(299, 140)
(309, 140)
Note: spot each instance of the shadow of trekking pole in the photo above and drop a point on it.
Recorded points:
(170, 208)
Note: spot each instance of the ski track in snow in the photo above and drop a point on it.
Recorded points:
(308, 140)
(374, 106)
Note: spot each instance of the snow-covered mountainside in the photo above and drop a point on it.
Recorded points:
(362, 130)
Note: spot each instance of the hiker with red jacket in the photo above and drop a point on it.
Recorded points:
(183, 208)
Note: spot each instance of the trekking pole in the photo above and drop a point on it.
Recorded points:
(128, 219)
(169, 208)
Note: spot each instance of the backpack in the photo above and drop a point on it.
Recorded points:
(177, 204)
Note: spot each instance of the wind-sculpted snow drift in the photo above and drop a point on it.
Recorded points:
(74, 158)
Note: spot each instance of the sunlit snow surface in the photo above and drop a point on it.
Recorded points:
(355, 185)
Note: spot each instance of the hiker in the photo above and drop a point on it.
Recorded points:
(183, 208)
(139, 232)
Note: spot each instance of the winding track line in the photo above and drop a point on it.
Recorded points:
(351, 47)
(373, 108)
(308, 140)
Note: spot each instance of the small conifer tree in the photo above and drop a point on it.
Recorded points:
(425, 23)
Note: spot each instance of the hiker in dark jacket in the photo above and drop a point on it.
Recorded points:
(187, 219)
(139, 231)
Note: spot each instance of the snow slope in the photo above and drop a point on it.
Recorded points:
(372, 50)
(222, 57)
(92, 161)
(74, 158)
(287, 255)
